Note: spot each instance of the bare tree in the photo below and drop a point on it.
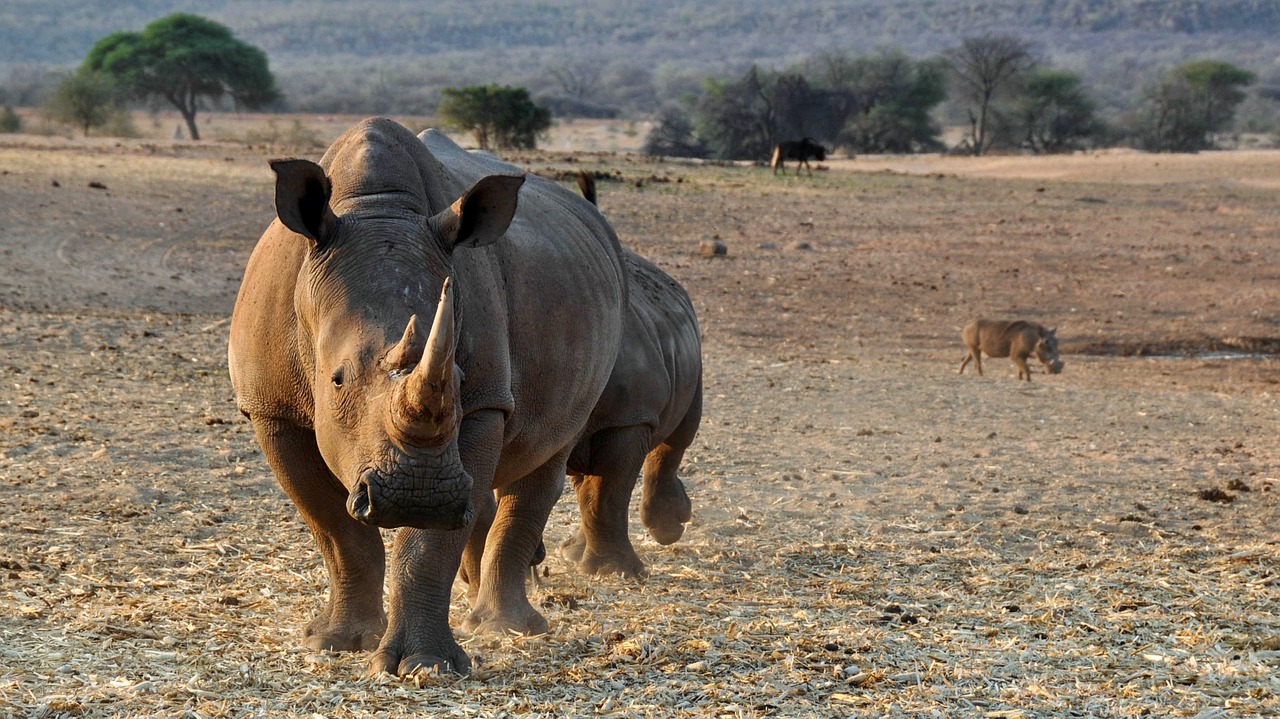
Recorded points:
(982, 67)
(578, 79)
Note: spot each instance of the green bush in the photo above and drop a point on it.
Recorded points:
(499, 115)
(9, 120)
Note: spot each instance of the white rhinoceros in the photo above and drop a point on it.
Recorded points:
(369, 421)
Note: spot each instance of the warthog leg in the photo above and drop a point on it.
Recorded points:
(1024, 372)
(976, 356)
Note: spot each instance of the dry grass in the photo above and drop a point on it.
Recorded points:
(873, 535)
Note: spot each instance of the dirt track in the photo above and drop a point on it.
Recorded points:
(873, 534)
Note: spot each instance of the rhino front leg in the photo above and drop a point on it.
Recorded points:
(502, 606)
(353, 619)
(601, 545)
(424, 563)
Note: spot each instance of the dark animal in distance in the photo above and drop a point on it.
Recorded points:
(1016, 339)
(799, 150)
(459, 436)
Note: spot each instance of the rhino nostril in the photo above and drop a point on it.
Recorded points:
(359, 505)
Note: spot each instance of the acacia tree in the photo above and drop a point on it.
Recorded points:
(1194, 101)
(673, 135)
(743, 119)
(183, 59)
(1053, 113)
(885, 100)
(86, 99)
(499, 115)
(982, 67)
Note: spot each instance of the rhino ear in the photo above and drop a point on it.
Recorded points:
(483, 213)
(302, 197)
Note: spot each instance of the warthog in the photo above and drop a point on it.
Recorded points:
(1016, 339)
(368, 420)
(799, 150)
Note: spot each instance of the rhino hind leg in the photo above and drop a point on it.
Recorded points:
(502, 605)
(353, 618)
(602, 545)
(665, 507)
(469, 570)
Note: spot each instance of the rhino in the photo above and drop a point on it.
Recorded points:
(1016, 339)
(458, 434)
(646, 418)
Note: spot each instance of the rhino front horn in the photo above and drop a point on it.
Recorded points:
(423, 405)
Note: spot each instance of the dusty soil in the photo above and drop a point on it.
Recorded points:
(874, 535)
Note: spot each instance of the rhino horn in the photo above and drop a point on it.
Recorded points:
(424, 404)
(408, 351)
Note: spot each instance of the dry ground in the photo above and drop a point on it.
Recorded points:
(873, 534)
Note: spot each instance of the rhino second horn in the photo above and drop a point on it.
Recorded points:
(424, 402)
(408, 351)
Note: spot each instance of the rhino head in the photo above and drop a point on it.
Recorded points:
(385, 391)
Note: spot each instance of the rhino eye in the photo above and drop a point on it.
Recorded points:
(337, 377)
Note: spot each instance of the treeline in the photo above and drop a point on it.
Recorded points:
(888, 102)
(383, 56)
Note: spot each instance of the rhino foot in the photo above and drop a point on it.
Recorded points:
(574, 547)
(324, 634)
(527, 622)
(627, 563)
(621, 559)
(403, 656)
(665, 512)
(387, 662)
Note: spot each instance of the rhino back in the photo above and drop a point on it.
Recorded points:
(660, 364)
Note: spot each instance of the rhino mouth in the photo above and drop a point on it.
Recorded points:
(1055, 366)
(380, 500)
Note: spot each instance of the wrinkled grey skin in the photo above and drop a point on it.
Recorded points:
(458, 435)
(1016, 339)
(647, 417)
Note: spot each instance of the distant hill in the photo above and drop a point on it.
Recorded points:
(383, 55)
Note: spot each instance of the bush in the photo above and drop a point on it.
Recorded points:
(9, 120)
(673, 136)
(500, 116)
(86, 99)
(1190, 105)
